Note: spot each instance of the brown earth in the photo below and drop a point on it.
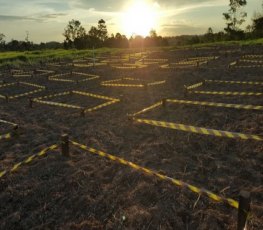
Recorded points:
(89, 192)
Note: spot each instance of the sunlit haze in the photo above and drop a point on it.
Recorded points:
(45, 20)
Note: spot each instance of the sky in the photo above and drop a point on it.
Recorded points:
(45, 20)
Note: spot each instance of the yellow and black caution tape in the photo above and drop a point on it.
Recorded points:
(65, 105)
(156, 83)
(112, 83)
(53, 95)
(95, 95)
(5, 136)
(199, 84)
(8, 84)
(179, 183)
(248, 66)
(101, 106)
(235, 82)
(253, 56)
(147, 109)
(27, 161)
(251, 61)
(176, 66)
(88, 77)
(200, 130)
(25, 94)
(214, 104)
(58, 104)
(33, 85)
(227, 93)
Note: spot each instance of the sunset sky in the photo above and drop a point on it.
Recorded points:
(46, 19)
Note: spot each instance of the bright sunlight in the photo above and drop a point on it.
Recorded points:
(139, 18)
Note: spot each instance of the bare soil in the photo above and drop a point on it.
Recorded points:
(88, 192)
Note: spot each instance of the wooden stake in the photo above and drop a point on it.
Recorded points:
(65, 145)
(243, 209)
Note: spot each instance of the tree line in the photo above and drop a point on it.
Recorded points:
(77, 37)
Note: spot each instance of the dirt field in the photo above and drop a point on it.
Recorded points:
(88, 192)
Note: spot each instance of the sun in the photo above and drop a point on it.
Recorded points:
(140, 18)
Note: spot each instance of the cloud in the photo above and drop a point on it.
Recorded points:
(52, 16)
(17, 18)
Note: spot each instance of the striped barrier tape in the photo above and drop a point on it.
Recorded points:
(253, 56)
(175, 66)
(251, 61)
(25, 94)
(27, 161)
(156, 83)
(197, 85)
(124, 85)
(179, 183)
(33, 85)
(22, 75)
(147, 109)
(248, 66)
(235, 82)
(203, 58)
(88, 77)
(53, 95)
(101, 106)
(228, 93)
(200, 130)
(95, 95)
(8, 84)
(235, 106)
(58, 104)
(5, 136)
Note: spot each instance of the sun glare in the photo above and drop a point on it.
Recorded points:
(139, 18)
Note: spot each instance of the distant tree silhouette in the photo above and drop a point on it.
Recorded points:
(73, 33)
(235, 18)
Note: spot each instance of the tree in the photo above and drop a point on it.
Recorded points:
(102, 29)
(235, 17)
(73, 31)
(209, 35)
(2, 38)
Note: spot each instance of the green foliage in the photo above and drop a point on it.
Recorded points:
(235, 17)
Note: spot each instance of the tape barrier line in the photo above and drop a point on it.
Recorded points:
(174, 66)
(25, 94)
(22, 75)
(227, 93)
(95, 96)
(246, 66)
(178, 183)
(235, 82)
(253, 56)
(101, 106)
(156, 83)
(5, 136)
(200, 130)
(27, 160)
(113, 83)
(53, 95)
(65, 105)
(8, 84)
(213, 104)
(88, 77)
(123, 85)
(58, 104)
(251, 61)
(33, 85)
(158, 104)
(197, 85)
